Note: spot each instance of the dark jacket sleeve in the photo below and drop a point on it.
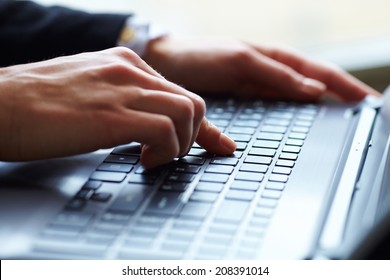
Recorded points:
(31, 32)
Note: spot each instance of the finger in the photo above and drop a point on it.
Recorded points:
(178, 108)
(252, 91)
(156, 132)
(199, 105)
(211, 138)
(268, 72)
(336, 80)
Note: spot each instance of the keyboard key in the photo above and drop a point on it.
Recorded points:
(254, 168)
(225, 161)
(209, 187)
(101, 196)
(266, 144)
(286, 163)
(196, 210)
(130, 198)
(184, 224)
(157, 171)
(92, 185)
(108, 176)
(303, 123)
(217, 239)
(187, 168)
(199, 153)
(223, 169)
(240, 195)
(281, 170)
(181, 235)
(288, 156)
(247, 123)
(294, 142)
(270, 136)
(71, 248)
(278, 178)
(75, 204)
(306, 117)
(204, 196)
(277, 122)
(192, 160)
(281, 115)
(263, 212)
(277, 186)
(241, 146)
(144, 232)
(262, 152)
(151, 221)
(240, 137)
(297, 135)
(291, 149)
(232, 211)
(300, 129)
(122, 159)
(254, 116)
(245, 185)
(258, 160)
(223, 229)
(181, 177)
(242, 130)
(217, 178)
(275, 129)
(84, 194)
(224, 116)
(116, 167)
(250, 176)
(175, 246)
(174, 186)
(72, 219)
(265, 202)
(142, 179)
(271, 194)
(165, 203)
(116, 218)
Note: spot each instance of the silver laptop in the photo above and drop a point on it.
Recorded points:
(306, 182)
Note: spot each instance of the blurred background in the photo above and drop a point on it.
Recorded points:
(353, 34)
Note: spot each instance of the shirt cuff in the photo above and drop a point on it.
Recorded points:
(137, 33)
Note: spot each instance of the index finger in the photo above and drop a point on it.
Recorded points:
(213, 140)
(336, 80)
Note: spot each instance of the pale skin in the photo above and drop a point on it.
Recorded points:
(81, 103)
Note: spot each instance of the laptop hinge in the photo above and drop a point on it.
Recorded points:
(333, 232)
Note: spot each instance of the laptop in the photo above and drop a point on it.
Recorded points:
(308, 181)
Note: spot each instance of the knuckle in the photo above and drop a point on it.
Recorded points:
(187, 109)
(199, 106)
(125, 53)
(286, 74)
(241, 54)
(165, 128)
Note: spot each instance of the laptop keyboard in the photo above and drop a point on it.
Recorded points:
(200, 206)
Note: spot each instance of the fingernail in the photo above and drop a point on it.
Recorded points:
(227, 143)
(313, 87)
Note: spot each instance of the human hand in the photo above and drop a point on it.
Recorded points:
(81, 103)
(252, 70)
